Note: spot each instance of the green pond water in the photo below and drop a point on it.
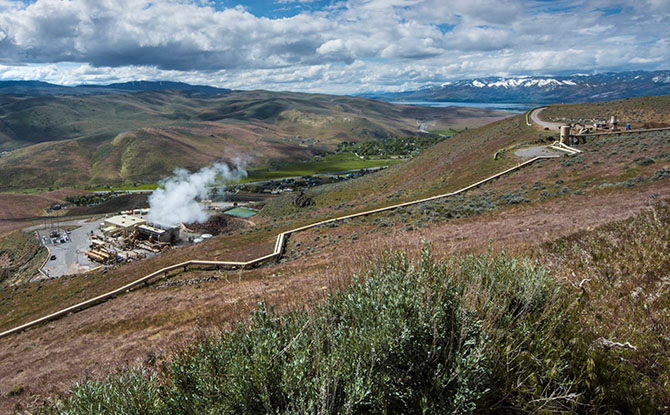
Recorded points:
(240, 212)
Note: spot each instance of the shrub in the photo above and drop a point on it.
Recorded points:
(466, 335)
(643, 161)
(625, 299)
(661, 174)
(16, 391)
(526, 318)
(132, 391)
(395, 341)
(514, 198)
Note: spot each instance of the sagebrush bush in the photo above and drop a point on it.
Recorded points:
(394, 342)
(465, 335)
(133, 391)
(527, 320)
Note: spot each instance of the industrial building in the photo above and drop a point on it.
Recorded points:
(127, 236)
(157, 234)
(121, 225)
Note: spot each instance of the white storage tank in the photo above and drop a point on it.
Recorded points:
(565, 133)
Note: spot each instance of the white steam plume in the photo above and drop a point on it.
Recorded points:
(177, 201)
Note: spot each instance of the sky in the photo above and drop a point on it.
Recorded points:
(329, 46)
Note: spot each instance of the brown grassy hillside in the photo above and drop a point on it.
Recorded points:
(524, 213)
(129, 138)
(639, 112)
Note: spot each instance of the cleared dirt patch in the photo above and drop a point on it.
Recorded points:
(16, 207)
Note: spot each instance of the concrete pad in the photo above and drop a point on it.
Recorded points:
(535, 151)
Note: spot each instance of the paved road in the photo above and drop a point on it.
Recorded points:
(535, 117)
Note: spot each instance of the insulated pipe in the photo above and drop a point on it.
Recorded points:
(279, 246)
(646, 130)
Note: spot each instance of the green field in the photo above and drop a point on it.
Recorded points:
(331, 163)
(146, 186)
(446, 131)
(328, 164)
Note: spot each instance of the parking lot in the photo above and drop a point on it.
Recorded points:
(69, 248)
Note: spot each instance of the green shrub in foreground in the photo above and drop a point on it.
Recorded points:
(467, 335)
(398, 343)
(130, 392)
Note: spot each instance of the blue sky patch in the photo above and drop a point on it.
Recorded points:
(276, 9)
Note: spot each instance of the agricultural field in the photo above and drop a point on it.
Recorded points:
(144, 186)
(332, 163)
(446, 131)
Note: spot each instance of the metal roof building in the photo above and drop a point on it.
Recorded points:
(124, 222)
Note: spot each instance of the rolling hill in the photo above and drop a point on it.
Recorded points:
(38, 88)
(598, 216)
(58, 141)
(542, 267)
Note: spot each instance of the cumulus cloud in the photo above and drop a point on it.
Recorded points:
(344, 47)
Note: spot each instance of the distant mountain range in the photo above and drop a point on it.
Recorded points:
(38, 88)
(521, 89)
(540, 89)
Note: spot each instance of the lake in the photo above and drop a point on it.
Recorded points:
(500, 106)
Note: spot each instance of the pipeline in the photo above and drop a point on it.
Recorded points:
(645, 130)
(276, 253)
(557, 145)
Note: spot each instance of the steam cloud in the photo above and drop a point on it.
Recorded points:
(177, 201)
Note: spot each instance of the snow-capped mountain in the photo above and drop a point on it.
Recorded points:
(522, 82)
(541, 89)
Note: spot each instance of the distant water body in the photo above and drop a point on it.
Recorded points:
(486, 105)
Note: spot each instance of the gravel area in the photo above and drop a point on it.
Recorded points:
(535, 151)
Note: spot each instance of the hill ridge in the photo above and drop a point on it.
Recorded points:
(276, 254)
(40, 88)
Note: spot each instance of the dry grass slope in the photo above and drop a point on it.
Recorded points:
(128, 138)
(645, 112)
(613, 179)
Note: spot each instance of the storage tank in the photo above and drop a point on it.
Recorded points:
(613, 121)
(565, 133)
